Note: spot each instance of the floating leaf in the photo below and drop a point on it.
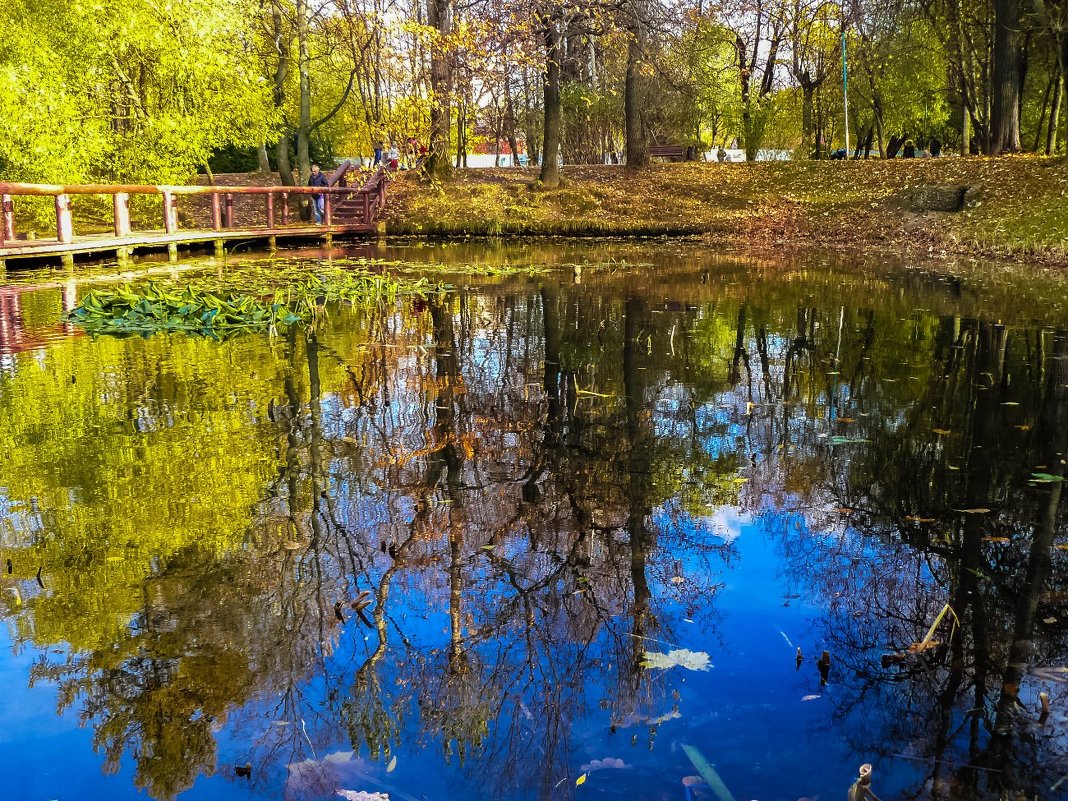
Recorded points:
(979, 511)
(995, 539)
(811, 697)
(1045, 478)
(581, 780)
(839, 440)
(392, 766)
(915, 519)
(680, 657)
(708, 773)
(942, 432)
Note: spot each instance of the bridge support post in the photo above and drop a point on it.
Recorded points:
(170, 214)
(64, 223)
(122, 256)
(328, 211)
(228, 210)
(7, 222)
(67, 260)
(121, 204)
(216, 212)
(172, 251)
(220, 249)
(285, 208)
(328, 240)
(272, 243)
(270, 212)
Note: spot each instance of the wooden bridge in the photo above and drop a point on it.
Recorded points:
(193, 215)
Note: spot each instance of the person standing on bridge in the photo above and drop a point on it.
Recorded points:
(318, 178)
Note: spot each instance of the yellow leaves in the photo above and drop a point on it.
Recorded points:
(942, 432)
(581, 780)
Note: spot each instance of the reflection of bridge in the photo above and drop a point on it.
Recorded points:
(14, 336)
(346, 210)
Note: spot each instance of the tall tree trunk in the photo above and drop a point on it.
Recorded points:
(263, 162)
(1055, 116)
(808, 92)
(439, 17)
(637, 148)
(965, 130)
(1008, 51)
(281, 77)
(513, 140)
(550, 164)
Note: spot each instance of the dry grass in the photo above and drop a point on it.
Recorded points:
(1015, 206)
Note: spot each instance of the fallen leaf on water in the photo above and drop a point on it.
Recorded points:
(915, 519)
(1023, 427)
(1045, 478)
(677, 580)
(1049, 621)
(581, 780)
(942, 431)
(392, 766)
(995, 539)
(680, 657)
(974, 511)
(811, 697)
(847, 420)
(1061, 547)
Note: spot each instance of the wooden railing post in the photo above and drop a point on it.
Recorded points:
(121, 204)
(270, 211)
(64, 223)
(285, 208)
(7, 223)
(366, 208)
(228, 210)
(328, 215)
(170, 216)
(216, 212)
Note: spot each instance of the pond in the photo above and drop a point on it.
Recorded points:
(643, 521)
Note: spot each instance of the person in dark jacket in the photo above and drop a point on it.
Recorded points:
(318, 178)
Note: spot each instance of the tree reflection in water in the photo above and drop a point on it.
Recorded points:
(524, 478)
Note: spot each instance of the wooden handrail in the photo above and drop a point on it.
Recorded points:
(53, 190)
(222, 202)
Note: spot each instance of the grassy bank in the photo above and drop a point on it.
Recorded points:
(1010, 206)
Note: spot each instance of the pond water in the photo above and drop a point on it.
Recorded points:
(602, 527)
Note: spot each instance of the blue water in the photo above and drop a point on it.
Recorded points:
(538, 482)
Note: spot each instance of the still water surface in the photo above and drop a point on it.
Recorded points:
(539, 483)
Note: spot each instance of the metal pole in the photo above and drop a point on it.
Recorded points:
(845, 84)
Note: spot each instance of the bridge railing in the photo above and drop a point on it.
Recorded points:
(361, 204)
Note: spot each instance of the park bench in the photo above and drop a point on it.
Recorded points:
(670, 152)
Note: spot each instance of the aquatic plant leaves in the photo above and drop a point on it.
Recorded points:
(679, 657)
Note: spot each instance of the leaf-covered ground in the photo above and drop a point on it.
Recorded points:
(1013, 206)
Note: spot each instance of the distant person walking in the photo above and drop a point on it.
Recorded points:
(318, 178)
(721, 155)
(394, 156)
(935, 147)
(909, 151)
(378, 154)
